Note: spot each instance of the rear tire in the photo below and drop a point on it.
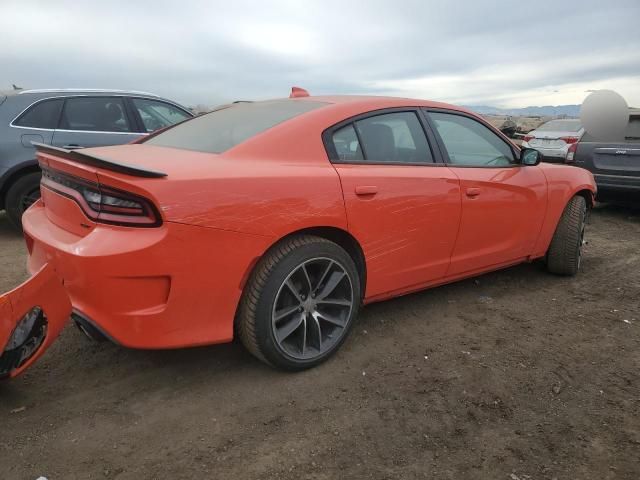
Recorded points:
(565, 252)
(300, 303)
(20, 196)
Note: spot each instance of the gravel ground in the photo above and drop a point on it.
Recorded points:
(515, 375)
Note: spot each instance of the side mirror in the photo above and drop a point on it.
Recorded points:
(529, 156)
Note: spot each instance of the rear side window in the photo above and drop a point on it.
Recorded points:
(97, 114)
(395, 138)
(43, 114)
(345, 141)
(156, 115)
(223, 129)
(387, 138)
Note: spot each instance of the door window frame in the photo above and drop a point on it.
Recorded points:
(445, 154)
(332, 154)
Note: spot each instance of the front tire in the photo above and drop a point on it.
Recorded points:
(565, 252)
(300, 303)
(20, 196)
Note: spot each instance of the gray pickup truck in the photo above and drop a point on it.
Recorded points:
(615, 165)
(68, 118)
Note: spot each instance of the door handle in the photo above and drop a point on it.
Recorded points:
(473, 192)
(366, 190)
(72, 146)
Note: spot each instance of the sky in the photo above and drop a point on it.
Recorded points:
(497, 53)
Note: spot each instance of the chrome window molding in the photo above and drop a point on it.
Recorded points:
(63, 97)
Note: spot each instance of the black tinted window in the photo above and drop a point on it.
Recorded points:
(43, 114)
(98, 114)
(394, 137)
(156, 115)
(345, 141)
(468, 142)
(223, 129)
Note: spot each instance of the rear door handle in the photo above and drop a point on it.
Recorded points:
(366, 190)
(473, 192)
(72, 146)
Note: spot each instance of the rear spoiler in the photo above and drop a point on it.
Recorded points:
(97, 161)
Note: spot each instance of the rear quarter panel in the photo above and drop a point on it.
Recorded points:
(563, 182)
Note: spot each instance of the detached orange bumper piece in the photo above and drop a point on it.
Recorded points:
(31, 318)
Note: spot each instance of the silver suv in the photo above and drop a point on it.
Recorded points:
(69, 119)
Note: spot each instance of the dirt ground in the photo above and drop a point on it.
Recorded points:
(516, 375)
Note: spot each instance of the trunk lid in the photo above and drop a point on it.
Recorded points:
(551, 139)
(137, 171)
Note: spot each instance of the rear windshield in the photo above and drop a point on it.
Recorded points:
(223, 129)
(561, 126)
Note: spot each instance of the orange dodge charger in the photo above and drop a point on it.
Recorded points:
(276, 221)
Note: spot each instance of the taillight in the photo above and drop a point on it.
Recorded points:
(569, 140)
(101, 203)
(528, 138)
(571, 153)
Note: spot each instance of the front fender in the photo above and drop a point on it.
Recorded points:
(563, 183)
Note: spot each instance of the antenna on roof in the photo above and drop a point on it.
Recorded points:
(15, 87)
(297, 92)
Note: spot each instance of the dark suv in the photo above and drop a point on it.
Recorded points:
(615, 165)
(69, 119)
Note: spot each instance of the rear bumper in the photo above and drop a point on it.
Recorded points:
(167, 287)
(550, 154)
(42, 293)
(618, 183)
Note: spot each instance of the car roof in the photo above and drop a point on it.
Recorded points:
(373, 102)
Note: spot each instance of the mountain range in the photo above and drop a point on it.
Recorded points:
(545, 111)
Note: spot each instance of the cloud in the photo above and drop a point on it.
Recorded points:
(193, 51)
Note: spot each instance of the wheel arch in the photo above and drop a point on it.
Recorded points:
(12, 175)
(339, 236)
(589, 196)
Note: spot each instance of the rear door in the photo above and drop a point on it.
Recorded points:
(94, 121)
(402, 204)
(503, 202)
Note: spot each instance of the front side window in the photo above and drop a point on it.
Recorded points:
(43, 114)
(469, 142)
(156, 115)
(220, 130)
(98, 114)
(394, 138)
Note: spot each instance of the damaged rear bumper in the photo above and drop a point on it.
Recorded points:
(31, 317)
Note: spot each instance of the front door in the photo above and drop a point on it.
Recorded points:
(503, 202)
(402, 206)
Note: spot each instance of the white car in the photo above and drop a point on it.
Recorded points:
(554, 139)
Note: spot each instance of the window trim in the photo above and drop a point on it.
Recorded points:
(445, 154)
(125, 98)
(332, 154)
